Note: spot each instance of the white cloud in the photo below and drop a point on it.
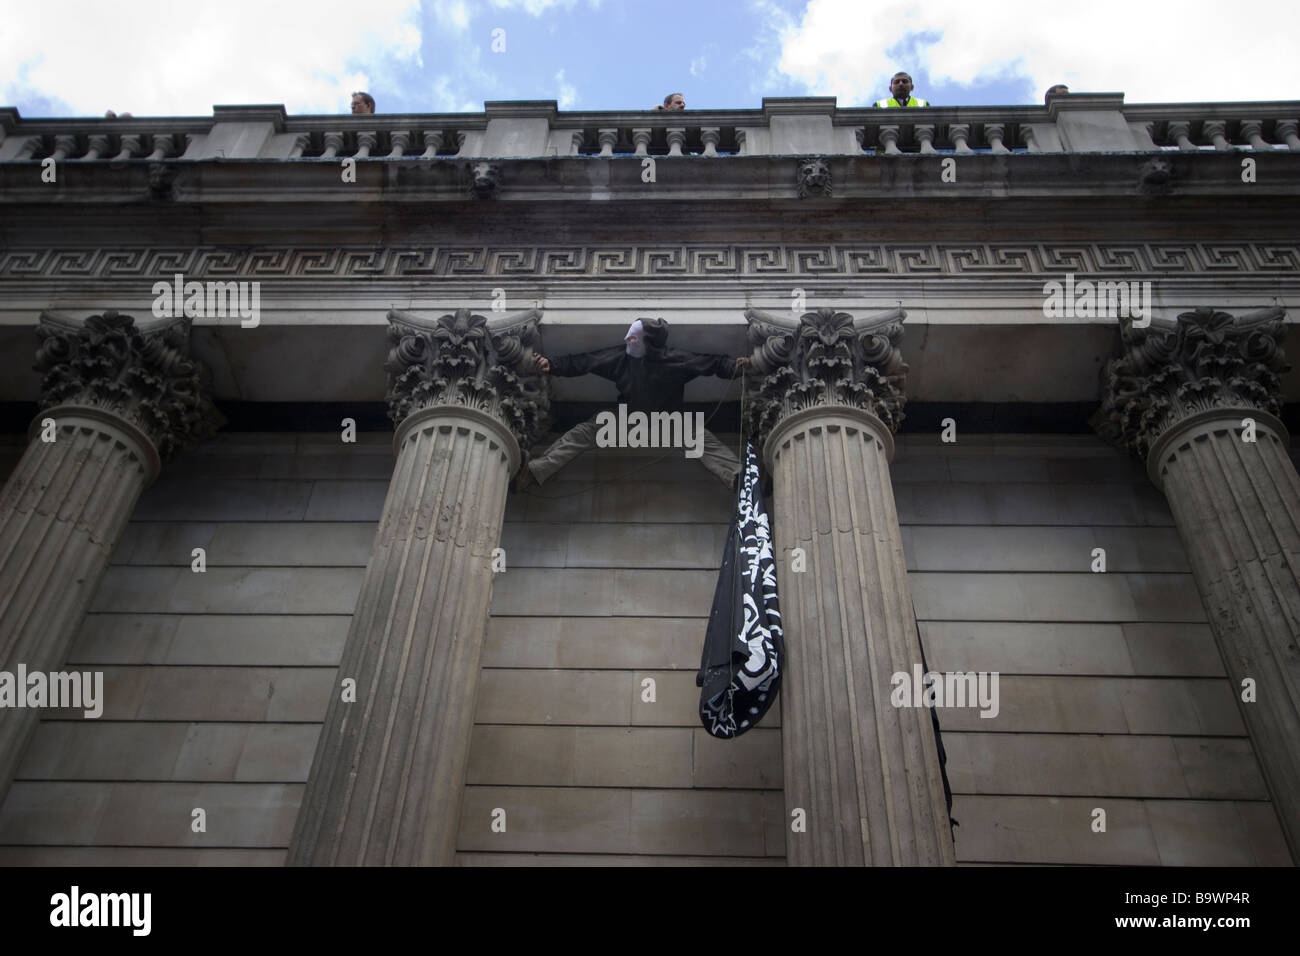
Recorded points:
(451, 13)
(449, 97)
(700, 63)
(568, 94)
(537, 7)
(1151, 52)
(154, 57)
(768, 44)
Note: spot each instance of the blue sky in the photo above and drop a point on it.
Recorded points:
(156, 57)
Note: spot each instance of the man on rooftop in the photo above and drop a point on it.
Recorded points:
(901, 88)
(673, 101)
(363, 103)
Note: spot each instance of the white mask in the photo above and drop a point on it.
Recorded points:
(635, 349)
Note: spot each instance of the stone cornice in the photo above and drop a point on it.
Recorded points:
(465, 359)
(1172, 372)
(142, 374)
(1002, 179)
(825, 358)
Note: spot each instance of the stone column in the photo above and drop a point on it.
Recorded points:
(1198, 400)
(116, 401)
(865, 773)
(389, 773)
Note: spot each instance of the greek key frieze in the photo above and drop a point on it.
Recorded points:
(684, 260)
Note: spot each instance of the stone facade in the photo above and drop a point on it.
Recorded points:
(340, 635)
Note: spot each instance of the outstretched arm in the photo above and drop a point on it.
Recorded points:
(600, 362)
(723, 366)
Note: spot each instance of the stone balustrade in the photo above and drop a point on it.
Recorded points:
(1266, 130)
(796, 126)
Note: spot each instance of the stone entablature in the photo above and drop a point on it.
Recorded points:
(1087, 122)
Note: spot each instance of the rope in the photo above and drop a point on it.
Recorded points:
(534, 490)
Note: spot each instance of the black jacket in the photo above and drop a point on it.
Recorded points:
(650, 384)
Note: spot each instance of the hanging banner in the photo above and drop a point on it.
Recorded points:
(744, 649)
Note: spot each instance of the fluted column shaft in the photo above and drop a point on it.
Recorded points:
(62, 512)
(1237, 507)
(866, 773)
(122, 398)
(388, 779)
(863, 782)
(389, 773)
(1197, 398)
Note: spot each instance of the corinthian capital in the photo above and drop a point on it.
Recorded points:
(826, 358)
(468, 360)
(143, 375)
(1172, 370)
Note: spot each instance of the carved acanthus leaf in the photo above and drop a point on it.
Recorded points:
(145, 376)
(471, 360)
(826, 357)
(1170, 370)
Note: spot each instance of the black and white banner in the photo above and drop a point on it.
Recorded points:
(744, 650)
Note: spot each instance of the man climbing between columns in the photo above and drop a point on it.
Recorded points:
(650, 378)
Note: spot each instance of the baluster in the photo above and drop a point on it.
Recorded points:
(64, 146)
(97, 144)
(1251, 130)
(1287, 132)
(925, 136)
(367, 140)
(959, 133)
(1215, 131)
(1180, 133)
(163, 147)
(993, 132)
(711, 136)
(607, 139)
(130, 146)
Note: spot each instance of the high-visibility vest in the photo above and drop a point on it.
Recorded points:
(892, 103)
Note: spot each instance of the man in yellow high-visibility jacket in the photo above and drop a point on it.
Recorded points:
(901, 87)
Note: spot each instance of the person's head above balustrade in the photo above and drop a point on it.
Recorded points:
(673, 101)
(900, 89)
(363, 103)
(1060, 89)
